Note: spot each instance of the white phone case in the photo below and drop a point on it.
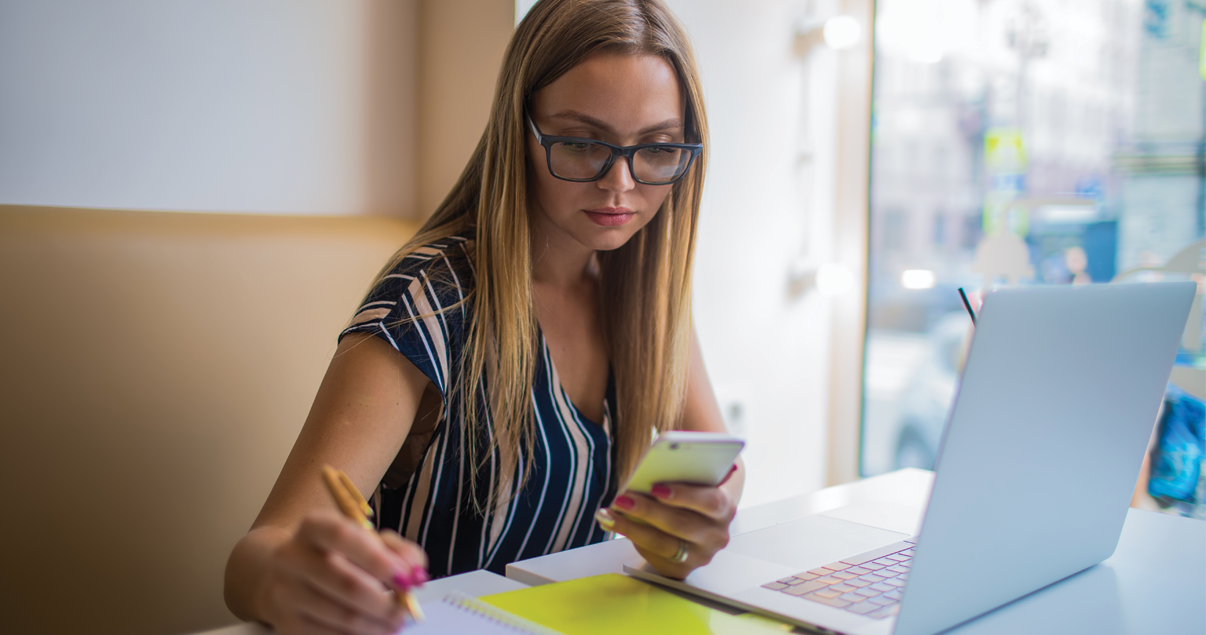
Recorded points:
(700, 458)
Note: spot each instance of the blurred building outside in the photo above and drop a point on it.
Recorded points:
(1073, 131)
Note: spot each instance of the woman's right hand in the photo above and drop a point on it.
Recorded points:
(334, 576)
(304, 570)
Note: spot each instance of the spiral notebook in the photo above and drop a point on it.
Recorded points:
(459, 613)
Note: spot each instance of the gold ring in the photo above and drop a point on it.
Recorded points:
(680, 556)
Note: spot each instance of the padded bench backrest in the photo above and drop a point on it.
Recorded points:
(155, 368)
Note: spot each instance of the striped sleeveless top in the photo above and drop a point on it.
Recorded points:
(571, 474)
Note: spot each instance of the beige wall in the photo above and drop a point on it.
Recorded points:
(157, 368)
(461, 49)
(390, 120)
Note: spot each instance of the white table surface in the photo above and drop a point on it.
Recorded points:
(892, 501)
(1154, 583)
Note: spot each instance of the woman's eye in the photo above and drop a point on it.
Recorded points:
(662, 151)
(576, 145)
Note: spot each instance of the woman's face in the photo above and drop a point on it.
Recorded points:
(620, 99)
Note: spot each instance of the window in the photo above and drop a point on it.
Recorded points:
(1076, 127)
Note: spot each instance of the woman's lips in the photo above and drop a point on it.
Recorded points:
(610, 216)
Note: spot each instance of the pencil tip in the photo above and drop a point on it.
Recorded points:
(412, 605)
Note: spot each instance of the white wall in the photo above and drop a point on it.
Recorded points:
(308, 106)
(785, 193)
(300, 106)
(768, 206)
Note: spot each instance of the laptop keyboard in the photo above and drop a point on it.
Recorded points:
(870, 583)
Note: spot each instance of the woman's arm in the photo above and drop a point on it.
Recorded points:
(302, 566)
(697, 516)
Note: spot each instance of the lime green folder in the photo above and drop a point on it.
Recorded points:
(614, 603)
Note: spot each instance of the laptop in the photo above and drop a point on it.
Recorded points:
(1034, 475)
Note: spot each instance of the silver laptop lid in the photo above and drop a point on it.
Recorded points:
(1044, 444)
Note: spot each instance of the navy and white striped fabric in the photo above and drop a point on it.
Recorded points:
(571, 469)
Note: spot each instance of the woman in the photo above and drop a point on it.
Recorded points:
(508, 368)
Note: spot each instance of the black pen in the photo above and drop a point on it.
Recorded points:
(967, 305)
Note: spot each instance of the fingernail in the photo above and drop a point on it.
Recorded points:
(729, 475)
(623, 501)
(605, 519)
(403, 580)
(661, 491)
(420, 576)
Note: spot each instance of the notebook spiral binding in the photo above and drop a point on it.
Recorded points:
(496, 615)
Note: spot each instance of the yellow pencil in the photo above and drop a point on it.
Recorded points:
(351, 488)
(353, 505)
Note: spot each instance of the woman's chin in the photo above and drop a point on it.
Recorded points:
(613, 238)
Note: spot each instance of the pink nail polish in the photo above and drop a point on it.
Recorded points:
(623, 501)
(661, 491)
(403, 580)
(421, 577)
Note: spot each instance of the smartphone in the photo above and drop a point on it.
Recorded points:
(699, 458)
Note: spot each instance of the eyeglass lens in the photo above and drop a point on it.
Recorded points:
(583, 161)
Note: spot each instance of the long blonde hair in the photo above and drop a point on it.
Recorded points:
(645, 284)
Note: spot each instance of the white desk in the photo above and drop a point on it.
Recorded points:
(892, 501)
(1154, 583)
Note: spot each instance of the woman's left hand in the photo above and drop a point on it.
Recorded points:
(674, 517)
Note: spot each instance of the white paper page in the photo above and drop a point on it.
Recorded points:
(459, 614)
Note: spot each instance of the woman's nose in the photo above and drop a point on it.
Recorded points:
(618, 177)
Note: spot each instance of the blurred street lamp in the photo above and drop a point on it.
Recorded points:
(917, 279)
(1026, 34)
(842, 32)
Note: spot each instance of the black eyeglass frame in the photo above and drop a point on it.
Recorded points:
(625, 151)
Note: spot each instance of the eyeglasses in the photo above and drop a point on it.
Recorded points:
(584, 160)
